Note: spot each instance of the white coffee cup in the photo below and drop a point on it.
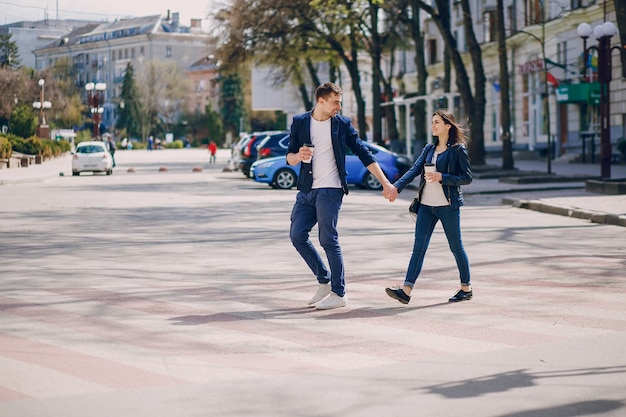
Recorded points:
(429, 168)
(312, 147)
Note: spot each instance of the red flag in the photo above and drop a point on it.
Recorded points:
(551, 79)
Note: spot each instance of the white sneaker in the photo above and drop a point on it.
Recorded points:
(323, 291)
(332, 301)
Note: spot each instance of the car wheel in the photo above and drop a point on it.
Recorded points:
(371, 182)
(109, 172)
(75, 173)
(285, 179)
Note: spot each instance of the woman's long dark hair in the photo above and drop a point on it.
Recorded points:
(457, 131)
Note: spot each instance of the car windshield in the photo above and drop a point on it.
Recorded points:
(89, 149)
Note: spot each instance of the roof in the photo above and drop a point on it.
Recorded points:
(207, 62)
(97, 32)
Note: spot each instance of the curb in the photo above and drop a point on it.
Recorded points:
(593, 216)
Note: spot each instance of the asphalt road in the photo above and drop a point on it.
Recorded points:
(178, 293)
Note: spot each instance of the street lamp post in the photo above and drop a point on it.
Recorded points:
(95, 98)
(43, 131)
(603, 34)
(546, 92)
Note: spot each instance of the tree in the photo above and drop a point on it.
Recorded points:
(14, 89)
(9, 54)
(61, 90)
(23, 121)
(163, 90)
(505, 108)
(620, 12)
(473, 102)
(232, 104)
(130, 106)
(411, 17)
(214, 125)
(270, 33)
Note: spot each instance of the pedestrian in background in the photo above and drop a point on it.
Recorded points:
(322, 185)
(112, 148)
(440, 200)
(212, 152)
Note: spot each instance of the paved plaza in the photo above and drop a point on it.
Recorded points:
(178, 294)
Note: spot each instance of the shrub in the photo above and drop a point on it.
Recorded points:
(5, 147)
(177, 144)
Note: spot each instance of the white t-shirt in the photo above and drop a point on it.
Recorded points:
(325, 174)
(432, 194)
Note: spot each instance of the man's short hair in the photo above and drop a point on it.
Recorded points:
(326, 89)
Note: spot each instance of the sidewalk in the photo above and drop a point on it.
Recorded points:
(570, 198)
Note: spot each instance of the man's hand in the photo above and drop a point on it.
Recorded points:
(390, 192)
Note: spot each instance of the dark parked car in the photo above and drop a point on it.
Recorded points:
(249, 151)
(273, 145)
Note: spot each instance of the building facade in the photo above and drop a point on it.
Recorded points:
(100, 52)
(553, 90)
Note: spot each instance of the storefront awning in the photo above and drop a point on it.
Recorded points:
(577, 93)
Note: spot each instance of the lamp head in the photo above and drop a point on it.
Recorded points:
(609, 29)
(89, 86)
(42, 82)
(584, 30)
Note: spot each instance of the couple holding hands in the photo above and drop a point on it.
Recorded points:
(322, 185)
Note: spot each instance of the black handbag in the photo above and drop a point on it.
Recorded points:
(414, 208)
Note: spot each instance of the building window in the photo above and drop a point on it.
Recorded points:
(525, 107)
(532, 12)
(432, 51)
(489, 26)
(141, 51)
(512, 20)
(119, 54)
(132, 53)
(168, 51)
(125, 53)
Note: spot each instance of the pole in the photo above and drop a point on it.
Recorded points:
(42, 121)
(604, 76)
(545, 86)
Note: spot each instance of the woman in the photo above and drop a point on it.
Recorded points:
(441, 198)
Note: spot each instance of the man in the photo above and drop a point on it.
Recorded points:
(322, 184)
(212, 151)
(112, 149)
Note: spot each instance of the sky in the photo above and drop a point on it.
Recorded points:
(105, 10)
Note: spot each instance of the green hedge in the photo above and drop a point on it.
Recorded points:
(177, 144)
(36, 146)
(6, 149)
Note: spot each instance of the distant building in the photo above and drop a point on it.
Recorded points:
(100, 52)
(29, 36)
(204, 76)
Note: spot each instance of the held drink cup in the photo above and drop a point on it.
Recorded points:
(311, 146)
(429, 168)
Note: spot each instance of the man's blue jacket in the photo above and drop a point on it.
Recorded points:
(343, 134)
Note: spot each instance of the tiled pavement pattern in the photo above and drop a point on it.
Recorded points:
(159, 318)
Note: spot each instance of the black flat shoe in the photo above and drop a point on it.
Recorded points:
(398, 294)
(461, 296)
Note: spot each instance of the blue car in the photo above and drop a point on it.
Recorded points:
(278, 174)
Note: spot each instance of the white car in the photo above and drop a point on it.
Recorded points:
(92, 157)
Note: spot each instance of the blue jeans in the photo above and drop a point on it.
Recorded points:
(319, 206)
(426, 220)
